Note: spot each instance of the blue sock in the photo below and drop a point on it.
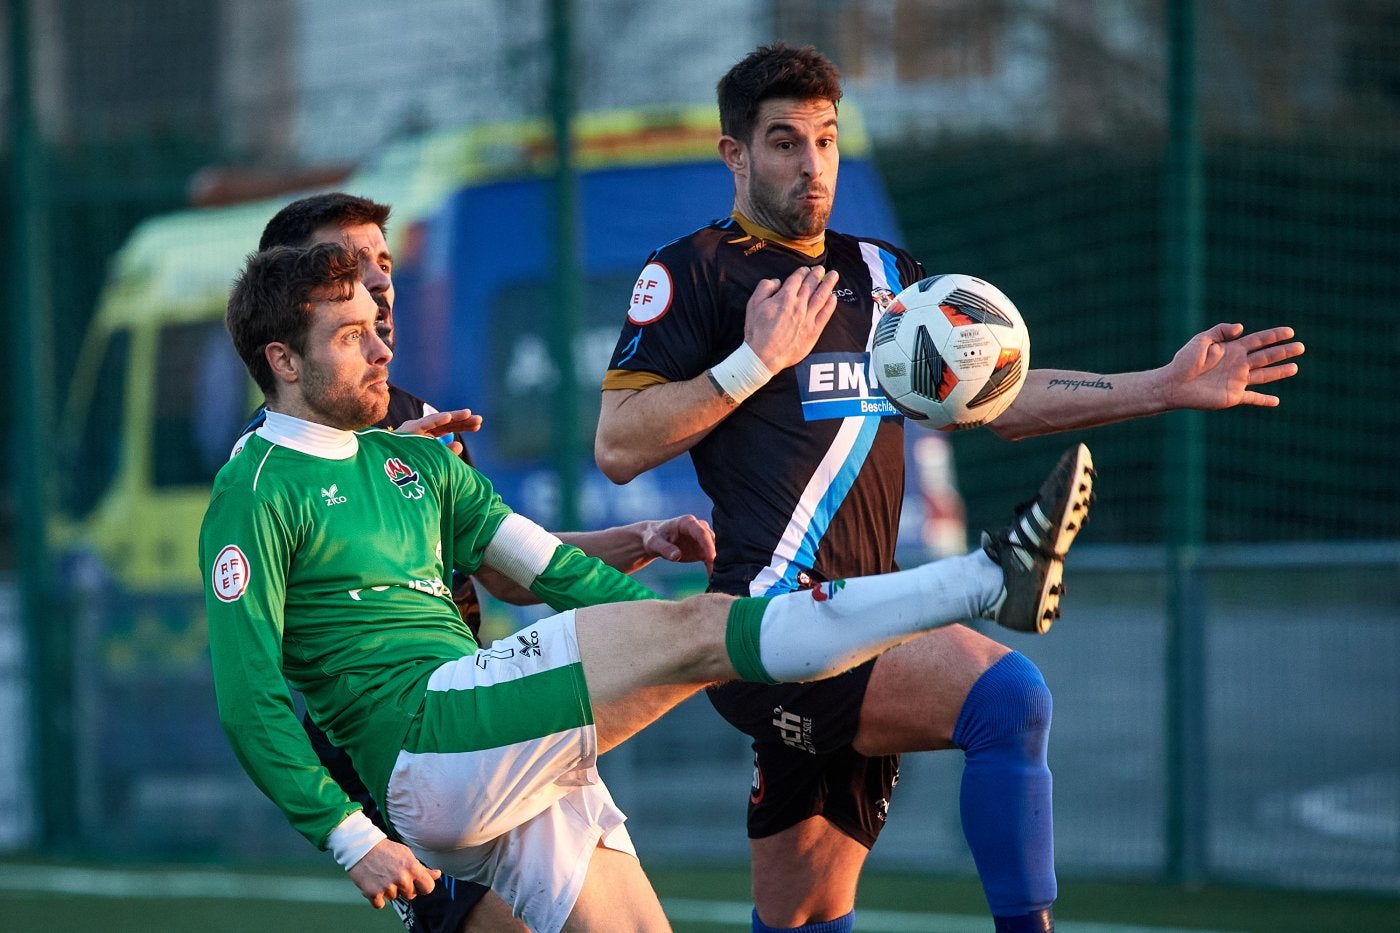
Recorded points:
(1004, 728)
(840, 925)
(1038, 921)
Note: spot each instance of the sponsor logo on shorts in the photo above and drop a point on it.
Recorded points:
(229, 575)
(493, 654)
(756, 791)
(794, 730)
(529, 647)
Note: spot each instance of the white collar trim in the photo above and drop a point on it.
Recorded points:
(308, 437)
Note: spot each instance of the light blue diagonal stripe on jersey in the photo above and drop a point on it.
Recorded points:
(884, 272)
(798, 545)
(785, 567)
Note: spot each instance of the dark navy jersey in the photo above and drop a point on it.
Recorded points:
(807, 474)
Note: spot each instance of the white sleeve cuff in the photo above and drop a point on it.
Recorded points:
(353, 838)
(521, 550)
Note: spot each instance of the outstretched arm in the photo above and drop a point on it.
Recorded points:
(628, 548)
(1218, 368)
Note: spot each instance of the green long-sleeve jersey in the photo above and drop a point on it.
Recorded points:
(324, 565)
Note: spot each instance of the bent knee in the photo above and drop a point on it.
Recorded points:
(1011, 698)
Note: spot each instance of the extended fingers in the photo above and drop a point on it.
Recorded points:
(1259, 399)
(441, 423)
(822, 298)
(1260, 375)
(812, 284)
(1277, 353)
(1263, 338)
(1268, 363)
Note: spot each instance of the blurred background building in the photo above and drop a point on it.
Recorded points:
(1228, 702)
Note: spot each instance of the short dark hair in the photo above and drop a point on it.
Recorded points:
(773, 72)
(297, 223)
(272, 299)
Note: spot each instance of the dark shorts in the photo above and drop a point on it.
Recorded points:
(442, 911)
(804, 765)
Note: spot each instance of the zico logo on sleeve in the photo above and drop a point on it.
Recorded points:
(837, 385)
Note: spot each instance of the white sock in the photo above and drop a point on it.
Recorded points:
(811, 634)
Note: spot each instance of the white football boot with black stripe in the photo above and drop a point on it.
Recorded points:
(1031, 550)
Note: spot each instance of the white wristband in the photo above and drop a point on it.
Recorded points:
(353, 838)
(740, 374)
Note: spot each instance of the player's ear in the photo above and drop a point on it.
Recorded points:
(734, 153)
(285, 364)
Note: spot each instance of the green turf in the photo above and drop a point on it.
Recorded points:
(1247, 910)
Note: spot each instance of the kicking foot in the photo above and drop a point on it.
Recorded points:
(1031, 550)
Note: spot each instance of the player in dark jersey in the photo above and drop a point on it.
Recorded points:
(454, 906)
(803, 461)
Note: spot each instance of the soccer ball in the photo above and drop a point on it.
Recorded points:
(951, 352)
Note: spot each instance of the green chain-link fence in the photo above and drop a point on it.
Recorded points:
(1024, 141)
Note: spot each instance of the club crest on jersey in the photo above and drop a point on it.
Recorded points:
(404, 477)
(229, 575)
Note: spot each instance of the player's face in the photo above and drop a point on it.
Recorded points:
(791, 170)
(344, 374)
(376, 267)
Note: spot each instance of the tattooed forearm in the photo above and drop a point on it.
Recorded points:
(1074, 385)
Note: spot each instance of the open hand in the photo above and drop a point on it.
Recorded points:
(442, 424)
(1217, 368)
(784, 319)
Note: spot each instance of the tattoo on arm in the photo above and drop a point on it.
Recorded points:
(1074, 385)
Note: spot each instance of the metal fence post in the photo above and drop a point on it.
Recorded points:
(565, 312)
(1184, 460)
(46, 628)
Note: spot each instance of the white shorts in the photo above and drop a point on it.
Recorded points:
(499, 782)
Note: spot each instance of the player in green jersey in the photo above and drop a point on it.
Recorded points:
(325, 550)
(361, 225)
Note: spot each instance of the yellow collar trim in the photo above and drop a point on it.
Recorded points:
(763, 233)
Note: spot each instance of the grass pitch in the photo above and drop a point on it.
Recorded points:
(68, 896)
